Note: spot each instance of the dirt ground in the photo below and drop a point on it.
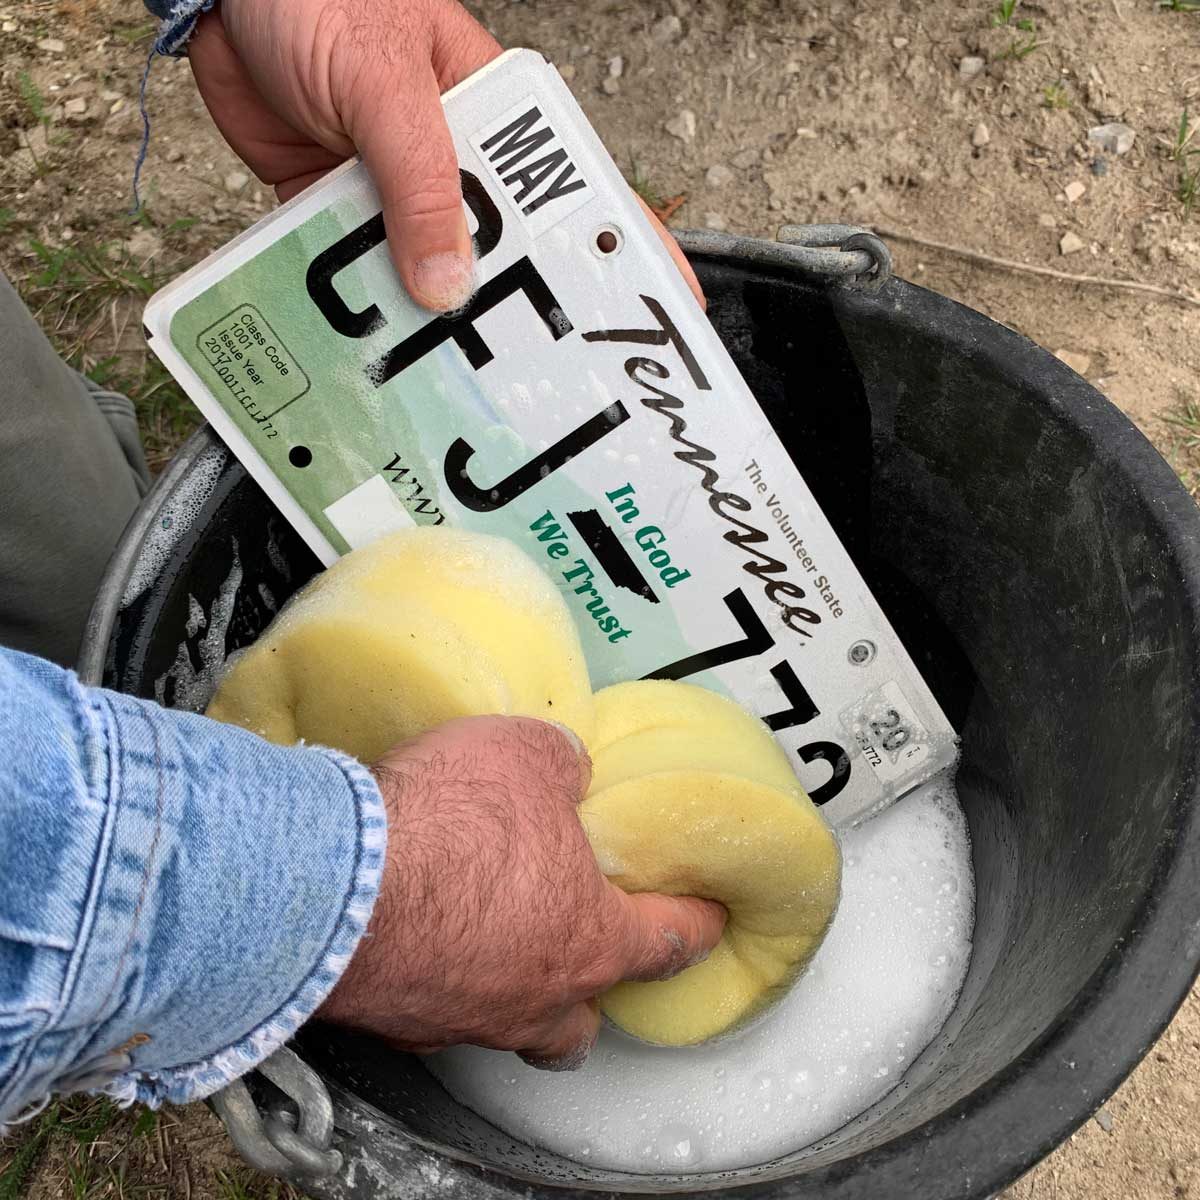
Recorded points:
(949, 121)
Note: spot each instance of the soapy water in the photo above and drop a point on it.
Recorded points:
(177, 515)
(876, 994)
(192, 686)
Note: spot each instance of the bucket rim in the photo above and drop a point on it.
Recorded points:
(1069, 1070)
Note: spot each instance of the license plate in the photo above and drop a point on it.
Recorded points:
(580, 406)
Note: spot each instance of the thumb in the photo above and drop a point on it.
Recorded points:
(404, 140)
(667, 934)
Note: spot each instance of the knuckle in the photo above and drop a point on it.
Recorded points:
(434, 198)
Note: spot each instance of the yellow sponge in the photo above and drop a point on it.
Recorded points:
(690, 794)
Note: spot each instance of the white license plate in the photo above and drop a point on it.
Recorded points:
(581, 406)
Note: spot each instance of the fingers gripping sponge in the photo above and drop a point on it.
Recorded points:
(690, 795)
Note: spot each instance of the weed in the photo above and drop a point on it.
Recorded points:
(640, 182)
(7, 216)
(1184, 425)
(20, 1166)
(1182, 6)
(1055, 96)
(1022, 47)
(131, 34)
(1004, 12)
(89, 298)
(1186, 157)
(33, 99)
(242, 1185)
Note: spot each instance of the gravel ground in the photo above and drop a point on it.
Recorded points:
(962, 130)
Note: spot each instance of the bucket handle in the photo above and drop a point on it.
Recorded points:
(297, 1145)
(855, 256)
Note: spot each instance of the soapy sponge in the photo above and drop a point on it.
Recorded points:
(690, 794)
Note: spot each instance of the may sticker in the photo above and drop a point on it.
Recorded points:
(532, 166)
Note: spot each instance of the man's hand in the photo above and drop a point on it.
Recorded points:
(494, 925)
(297, 86)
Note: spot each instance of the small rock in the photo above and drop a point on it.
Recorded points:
(1113, 138)
(981, 136)
(1047, 220)
(10, 27)
(1074, 191)
(236, 182)
(668, 28)
(610, 86)
(116, 106)
(1079, 363)
(1071, 243)
(109, 96)
(1098, 166)
(52, 45)
(899, 42)
(76, 107)
(567, 71)
(768, 155)
(683, 126)
(970, 68)
(616, 66)
(1103, 1117)
(745, 159)
(714, 220)
(718, 176)
(174, 155)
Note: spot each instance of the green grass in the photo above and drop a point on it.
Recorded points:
(1004, 12)
(1186, 156)
(1180, 6)
(89, 1149)
(1022, 47)
(637, 179)
(246, 1185)
(33, 99)
(1004, 16)
(130, 35)
(88, 298)
(1183, 447)
(77, 1128)
(1055, 96)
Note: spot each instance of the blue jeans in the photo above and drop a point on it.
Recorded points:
(176, 896)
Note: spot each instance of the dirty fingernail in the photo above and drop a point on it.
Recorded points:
(444, 281)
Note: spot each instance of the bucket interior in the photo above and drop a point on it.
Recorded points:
(1011, 526)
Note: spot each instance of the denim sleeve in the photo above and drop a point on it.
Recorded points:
(178, 19)
(176, 896)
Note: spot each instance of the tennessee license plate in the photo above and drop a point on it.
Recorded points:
(580, 406)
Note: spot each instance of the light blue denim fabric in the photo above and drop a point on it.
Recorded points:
(176, 896)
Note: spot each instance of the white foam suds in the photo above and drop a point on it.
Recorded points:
(174, 519)
(193, 686)
(876, 994)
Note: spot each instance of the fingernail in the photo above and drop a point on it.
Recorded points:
(570, 735)
(444, 281)
(572, 1061)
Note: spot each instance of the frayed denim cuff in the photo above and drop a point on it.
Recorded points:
(366, 842)
(178, 19)
(177, 896)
